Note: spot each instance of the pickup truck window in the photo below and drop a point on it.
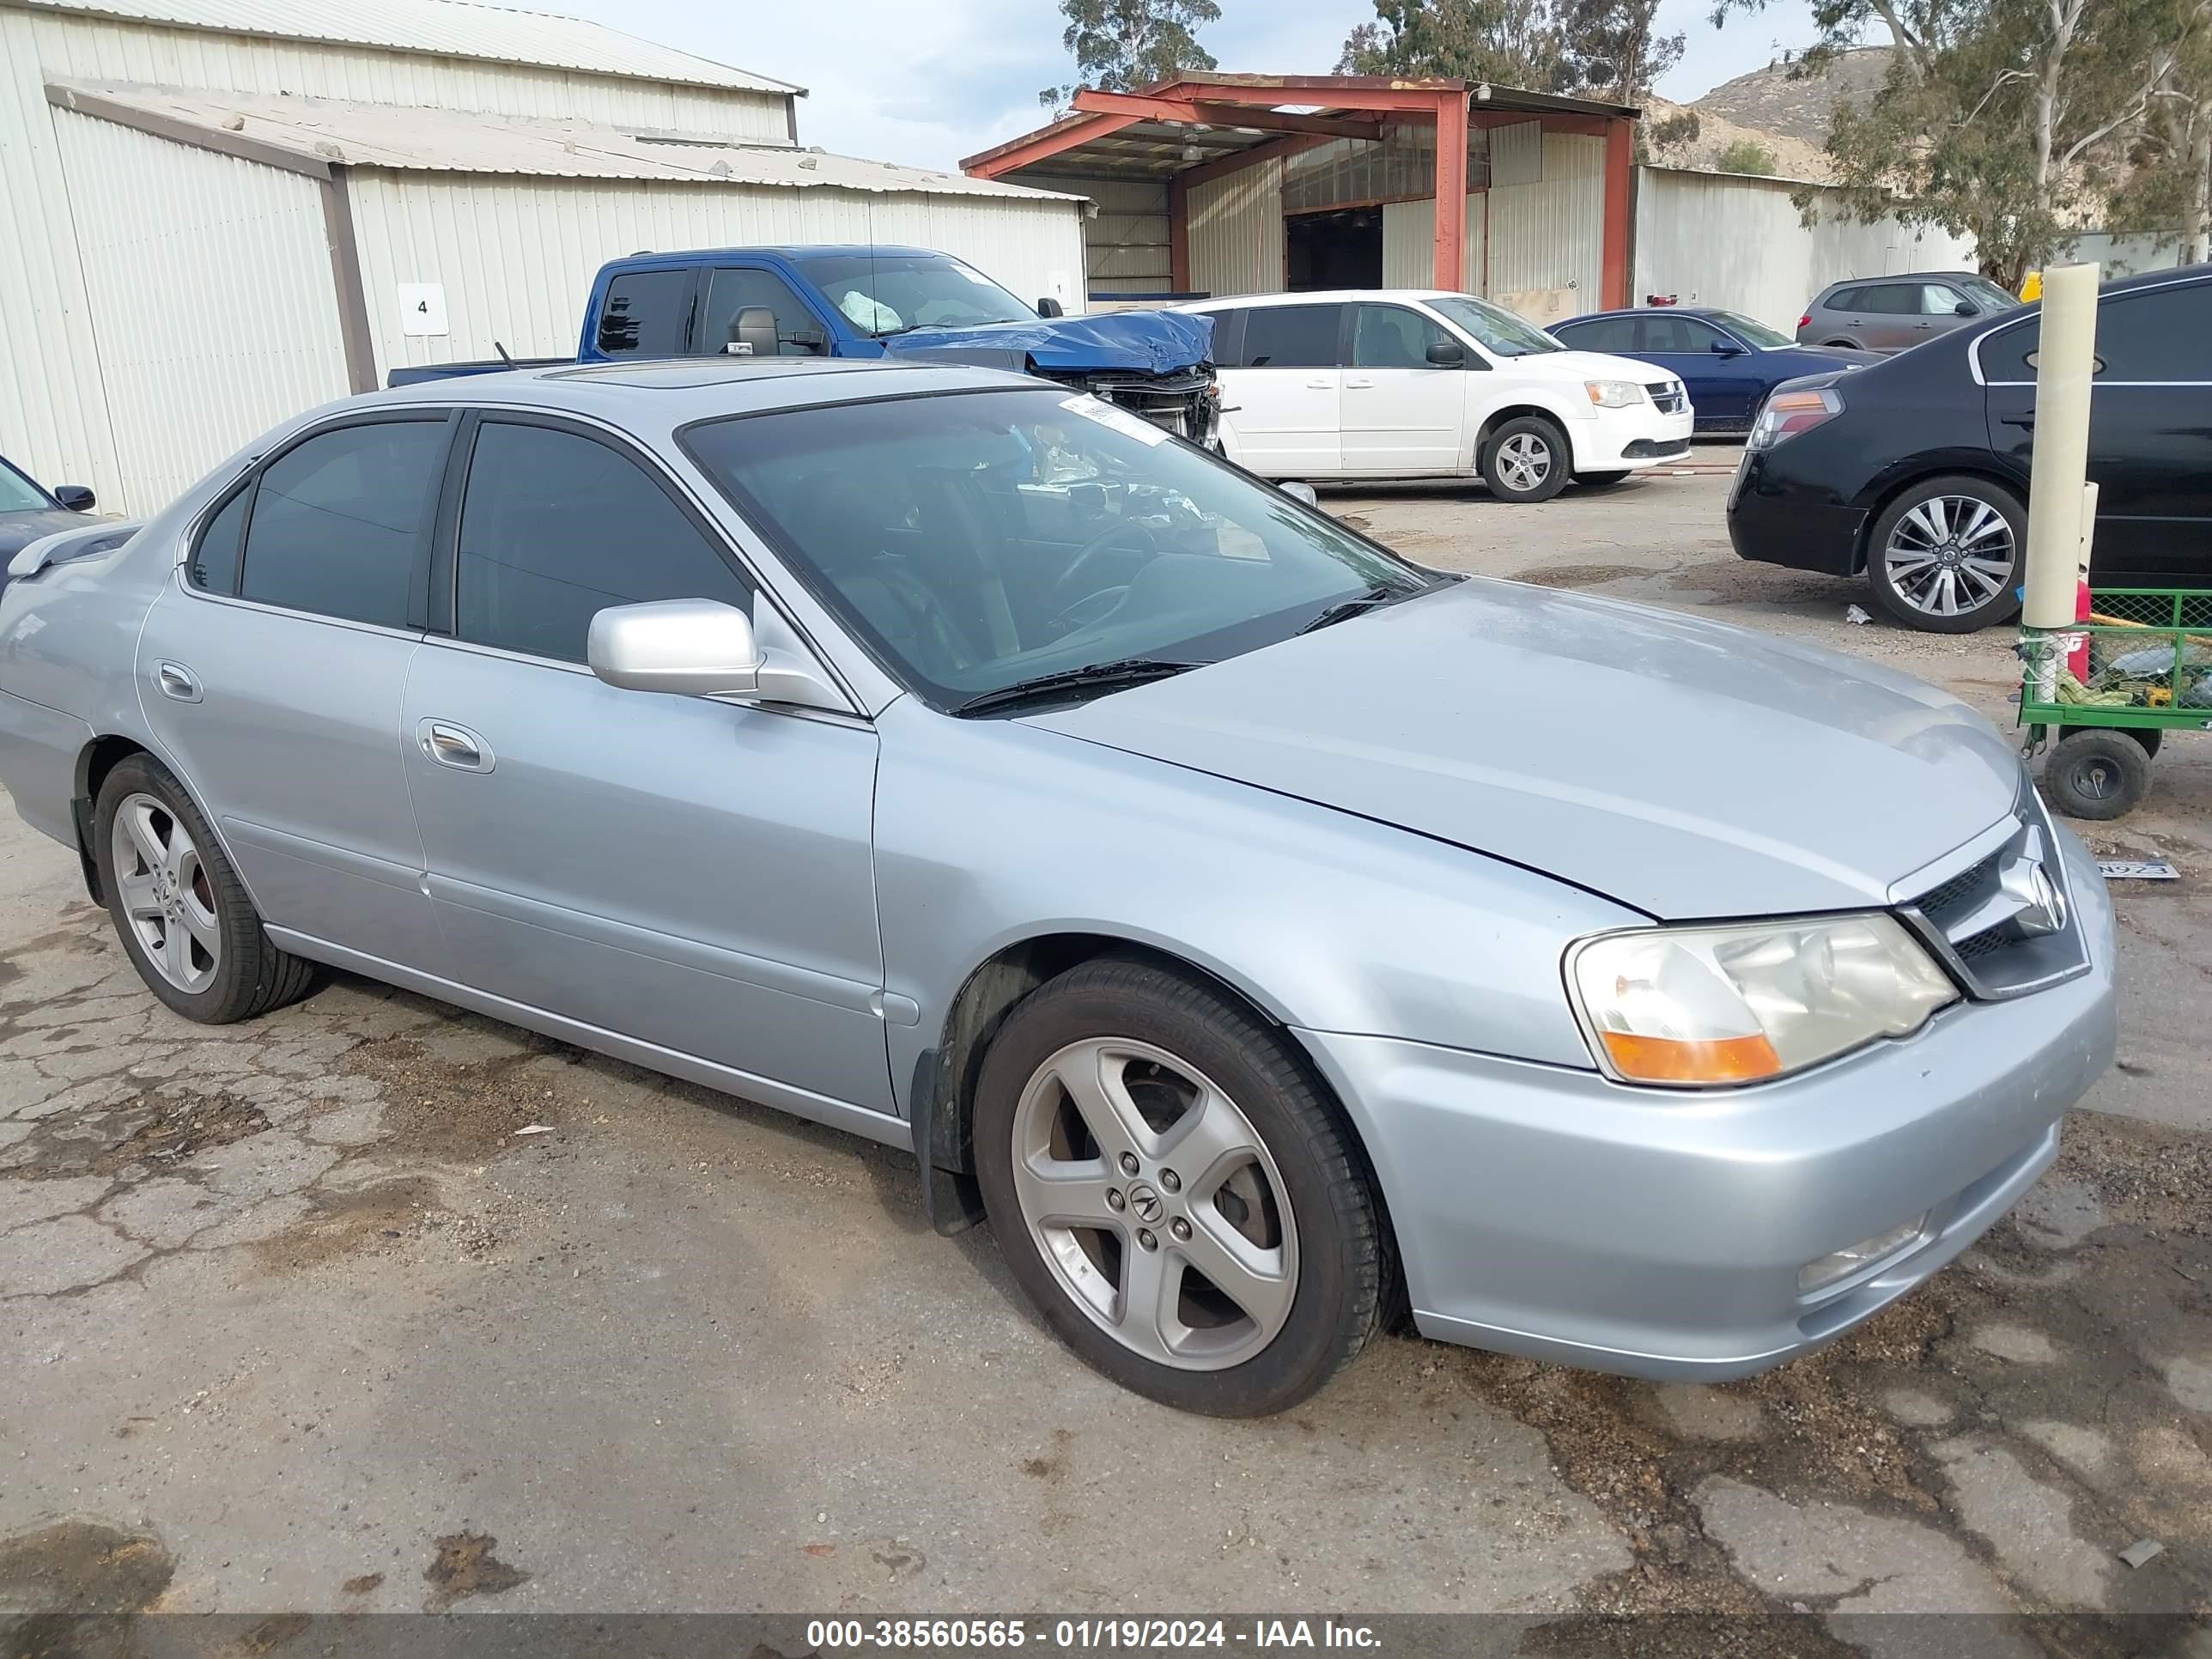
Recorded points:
(647, 314)
(732, 291)
(555, 528)
(893, 293)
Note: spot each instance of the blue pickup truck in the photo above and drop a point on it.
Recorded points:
(863, 302)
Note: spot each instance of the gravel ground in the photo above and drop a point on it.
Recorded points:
(293, 1319)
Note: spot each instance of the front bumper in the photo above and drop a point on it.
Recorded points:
(1553, 1213)
(1626, 440)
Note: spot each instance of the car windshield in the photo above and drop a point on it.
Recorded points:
(892, 293)
(1990, 294)
(1751, 329)
(1500, 332)
(19, 495)
(983, 540)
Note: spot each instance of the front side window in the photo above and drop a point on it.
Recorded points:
(730, 291)
(1391, 336)
(891, 293)
(338, 521)
(1498, 330)
(1752, 331)
(557, 528)
(1677, 334)
(1940, 300)
(983, 539)
(1291, 337)
(647, 314)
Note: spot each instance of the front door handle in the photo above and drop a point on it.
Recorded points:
(1363, 384)
(1325, 383)
(452, 746)
(175, 680)
(2026, 420)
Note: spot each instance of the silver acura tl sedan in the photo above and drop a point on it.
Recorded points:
(1266, 934)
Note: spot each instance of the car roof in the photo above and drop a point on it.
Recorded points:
(1320, 296)
(659, 395)
(1646, 311)
(786, 250)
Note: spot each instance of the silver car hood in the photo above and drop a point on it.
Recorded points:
(1683, 767)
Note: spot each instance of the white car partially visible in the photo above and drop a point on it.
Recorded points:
(1421, 384)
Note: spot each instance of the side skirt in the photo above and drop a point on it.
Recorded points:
(880, 1126)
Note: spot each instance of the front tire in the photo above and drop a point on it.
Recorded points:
(177, 906)
(1527, 459)
(1175, 1192)
(1945, 557)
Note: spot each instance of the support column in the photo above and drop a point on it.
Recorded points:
(1451, 190)
(1179, 235)
(1619, 221)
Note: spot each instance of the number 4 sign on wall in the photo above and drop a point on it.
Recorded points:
(421, 308)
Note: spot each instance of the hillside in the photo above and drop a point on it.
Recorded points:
(1770, 100)
(1793, 158)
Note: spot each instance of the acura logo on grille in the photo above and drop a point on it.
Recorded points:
(2042, 906)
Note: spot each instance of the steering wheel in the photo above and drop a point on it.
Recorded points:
(1125, 533)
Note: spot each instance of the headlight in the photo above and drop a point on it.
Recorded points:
(1614, 394)
(1786, 414)
(1685, 1006)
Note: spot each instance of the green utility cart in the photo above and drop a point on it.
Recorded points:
(2148, 670)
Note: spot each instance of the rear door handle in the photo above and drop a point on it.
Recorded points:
(1325, 383)
(452, 746)
(175, 680)
(2026, 420)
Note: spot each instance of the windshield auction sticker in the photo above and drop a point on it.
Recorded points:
(1128, 425)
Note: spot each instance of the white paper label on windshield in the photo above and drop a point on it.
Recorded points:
(1128, 425)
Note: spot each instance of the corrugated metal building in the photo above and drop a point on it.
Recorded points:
(215, 213)
(1240, 184)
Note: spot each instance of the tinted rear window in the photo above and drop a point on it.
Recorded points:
(1291, 337)
(338, 521)
(647, 314)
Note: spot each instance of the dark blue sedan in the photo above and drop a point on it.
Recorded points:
(1729, 362)
(28, 512)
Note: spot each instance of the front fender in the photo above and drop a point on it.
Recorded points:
(989, 833)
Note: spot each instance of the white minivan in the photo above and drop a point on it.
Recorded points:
(1420, 384)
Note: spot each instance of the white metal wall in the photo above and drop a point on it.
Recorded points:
(198, 353)
(1740, 242)
(1546, 254)
(1126, 245)
(55, 415)
(1409, 239)
(1236, 243)
(516, 255)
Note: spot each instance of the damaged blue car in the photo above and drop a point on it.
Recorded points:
(866, 301)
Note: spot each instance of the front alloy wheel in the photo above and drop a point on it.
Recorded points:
(1175, 1192)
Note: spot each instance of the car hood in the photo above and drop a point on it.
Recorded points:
(1572, 364)
(1149, 341)
(1683, 767)
(19, 529)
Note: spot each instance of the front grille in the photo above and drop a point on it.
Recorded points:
(1183, 403)
(1667, 397)
(1976, 919)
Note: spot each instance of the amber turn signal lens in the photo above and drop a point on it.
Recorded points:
(1663, 1060)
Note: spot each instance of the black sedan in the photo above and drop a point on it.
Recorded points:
(1729, 362)
(28, 512)
(1915, 470)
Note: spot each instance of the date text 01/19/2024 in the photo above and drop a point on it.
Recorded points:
(1086, 1635)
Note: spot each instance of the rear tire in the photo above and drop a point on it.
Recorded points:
(2149, 736)
(1199, 1130)
(1945, 557)
(179, 907)
(2098, 772)
(1527, 459)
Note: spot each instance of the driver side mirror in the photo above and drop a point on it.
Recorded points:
(1727, 348)
(1447, 354)
(76, 497)
(1967, 308)
(1050, 306)
(1298, 491)
(686, 647)
(752, 333)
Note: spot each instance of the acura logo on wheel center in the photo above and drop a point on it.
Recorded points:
(1145, 1204)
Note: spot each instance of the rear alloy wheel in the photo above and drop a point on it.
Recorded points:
(1527, 459)
(1176, 1194)
(180, 910)
(1945, 556)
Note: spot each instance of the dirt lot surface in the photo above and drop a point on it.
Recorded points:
(295, 1317)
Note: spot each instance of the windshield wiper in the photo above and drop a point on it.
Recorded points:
(1344, 610)
(1103, 676)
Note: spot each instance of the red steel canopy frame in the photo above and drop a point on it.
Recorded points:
(1355, 106)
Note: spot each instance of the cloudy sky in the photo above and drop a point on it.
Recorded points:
(928, 82)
